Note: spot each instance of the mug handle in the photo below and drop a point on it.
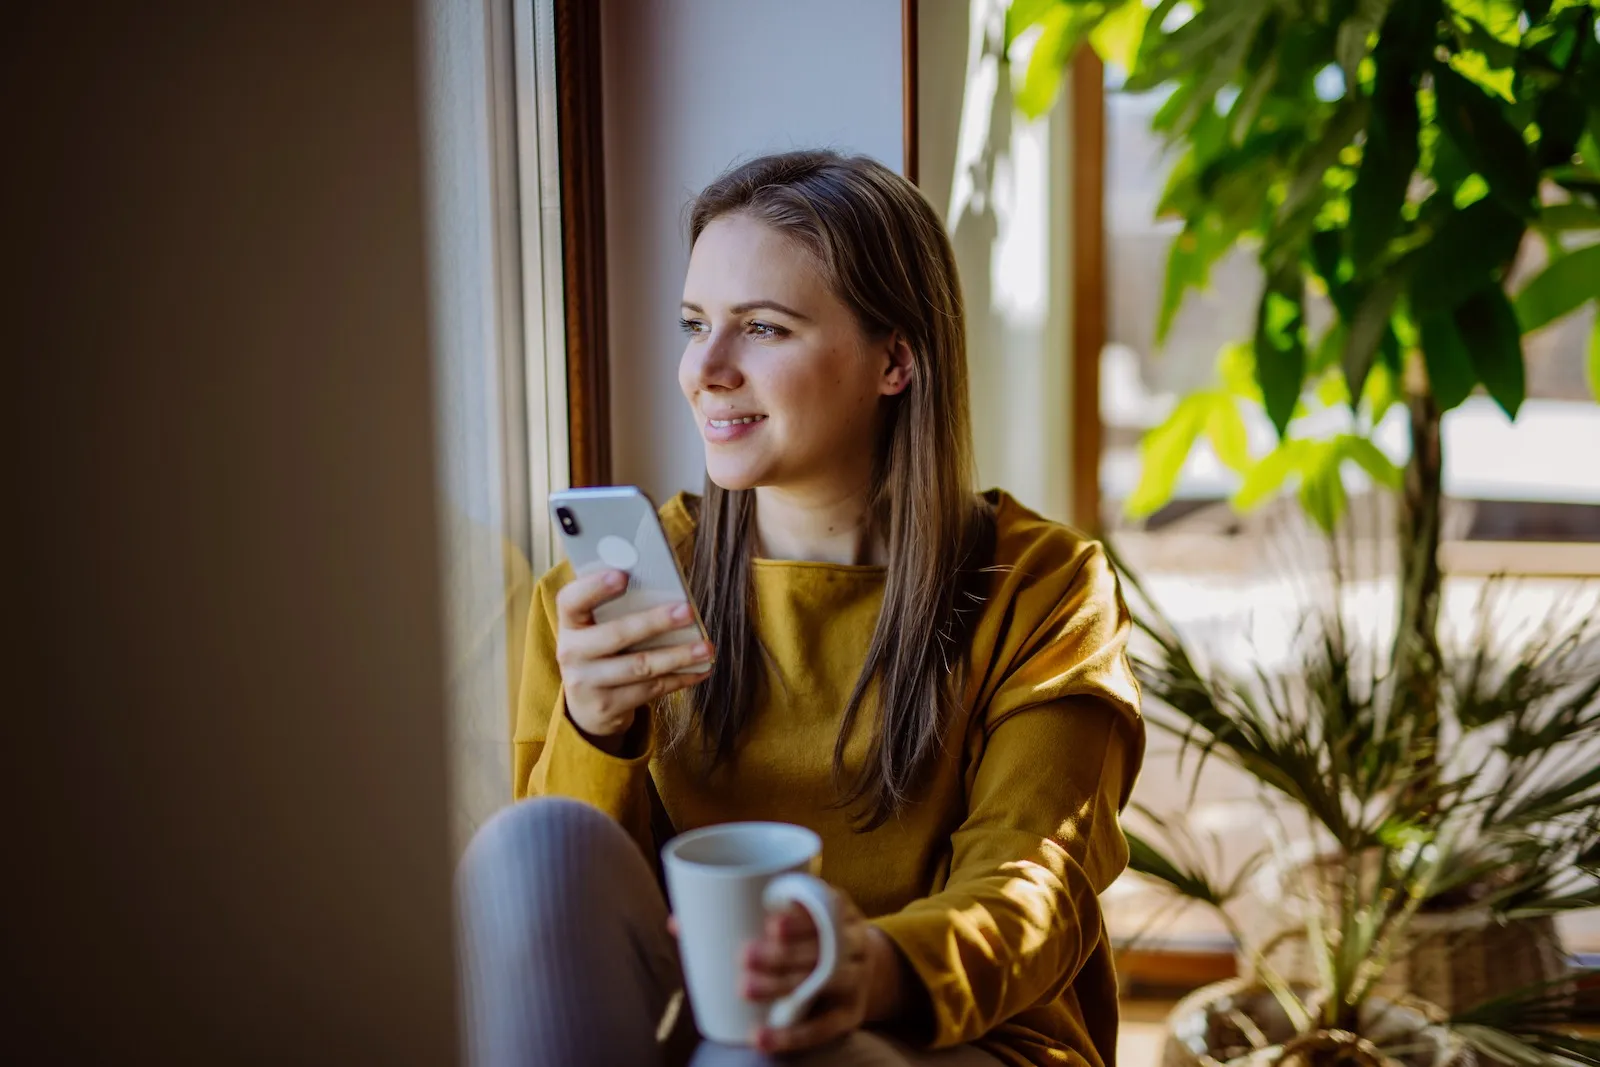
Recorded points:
(819, 899)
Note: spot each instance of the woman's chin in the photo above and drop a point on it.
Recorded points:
(732, 477)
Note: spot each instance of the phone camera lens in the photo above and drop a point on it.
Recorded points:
(568, 523)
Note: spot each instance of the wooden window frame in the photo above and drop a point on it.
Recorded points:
(581, 137)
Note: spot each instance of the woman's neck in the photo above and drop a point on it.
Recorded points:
(826, 526)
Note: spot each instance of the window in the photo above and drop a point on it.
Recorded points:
(1523, 497)
(500, 425)
(1508, 483)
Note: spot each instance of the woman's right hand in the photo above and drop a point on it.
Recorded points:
(604, 684)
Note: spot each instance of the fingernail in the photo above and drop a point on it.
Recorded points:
(702, 650)
(616, 579)
(681, 613)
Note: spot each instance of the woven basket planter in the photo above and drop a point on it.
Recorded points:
(1453, 960)
(1458, 960)
(1204, 1031)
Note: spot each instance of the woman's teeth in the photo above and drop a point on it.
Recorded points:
(720, 423)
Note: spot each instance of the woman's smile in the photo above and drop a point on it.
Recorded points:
(726, 431)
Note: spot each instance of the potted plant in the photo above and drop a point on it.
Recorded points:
(1391, 162)
(1517, 824)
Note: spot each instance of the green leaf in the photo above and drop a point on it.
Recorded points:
(1262, 481)
(1327, 257)
(1206, 51)
(1493, 146)
(1340, 129)
(1236, 369)
(1560, 117)
(1471, 190)
(1226, 431)
(1325, 357)
(1230, 183)
(1322, 492)
(1387, 162)
(1497, 49)
(1463, 256)
(1144, 858)
(1280, 346)
(1474, 66)
(1063, 28)
(1382, 390)
(1560, 288)
(1163, 452)
(1593, 362)
(1569, 215)
(1451, 169)
(1366, 455)
(1022, 14)
(1497, 17)
(1489, 329)
(1451, 374)
(1331, 388)
(1189, 266)
(1116, 39)
(1350, 44)
(1248, 105)
(1184, 271)
(1552, 801)
(1370, 325)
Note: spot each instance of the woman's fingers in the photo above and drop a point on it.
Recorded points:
(609, 638)
(764, 985)
(792, 923)
(616, 671)
(832, 1023)
(576, 601)
(642, 693)
(776, 955)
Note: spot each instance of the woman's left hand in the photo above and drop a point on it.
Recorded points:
(866, 987)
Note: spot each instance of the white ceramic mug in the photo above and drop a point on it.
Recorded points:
(723, 881)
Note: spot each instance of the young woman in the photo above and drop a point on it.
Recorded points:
(931, 679)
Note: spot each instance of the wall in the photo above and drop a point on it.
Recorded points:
(1002, 184)
(465, 45)
(221, 759)
(690, 87)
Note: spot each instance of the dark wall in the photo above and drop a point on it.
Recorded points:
(222, 785)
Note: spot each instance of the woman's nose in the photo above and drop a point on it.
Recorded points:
(714, 363)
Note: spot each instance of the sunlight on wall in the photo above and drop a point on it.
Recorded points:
(1008, 216)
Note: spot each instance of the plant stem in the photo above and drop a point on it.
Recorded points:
(1416, 651)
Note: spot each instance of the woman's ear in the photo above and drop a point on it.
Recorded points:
(899, 365)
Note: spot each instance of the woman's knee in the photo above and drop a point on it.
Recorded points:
(533, 823)
(546, 839)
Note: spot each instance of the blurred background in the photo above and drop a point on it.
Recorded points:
(319, 302)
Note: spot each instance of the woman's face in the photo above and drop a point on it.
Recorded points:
(781, 378)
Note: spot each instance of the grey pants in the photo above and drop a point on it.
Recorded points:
(567, 962)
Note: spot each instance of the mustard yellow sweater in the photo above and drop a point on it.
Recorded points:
(988, 885)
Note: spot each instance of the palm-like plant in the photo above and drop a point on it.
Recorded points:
(1510, 824)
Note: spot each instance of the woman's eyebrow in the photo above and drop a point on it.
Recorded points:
(752, 305)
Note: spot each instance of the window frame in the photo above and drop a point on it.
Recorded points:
(534, 364)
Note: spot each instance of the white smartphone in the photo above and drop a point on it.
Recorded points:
(616, 527)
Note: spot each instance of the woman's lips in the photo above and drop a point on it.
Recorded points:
(721, 431)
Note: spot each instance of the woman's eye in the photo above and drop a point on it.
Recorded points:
(692, 327)
(766, 330)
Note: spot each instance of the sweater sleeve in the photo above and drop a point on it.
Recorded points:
(550, 756)
(1061, 741)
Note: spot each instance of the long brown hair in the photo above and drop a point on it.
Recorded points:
(887, 256)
